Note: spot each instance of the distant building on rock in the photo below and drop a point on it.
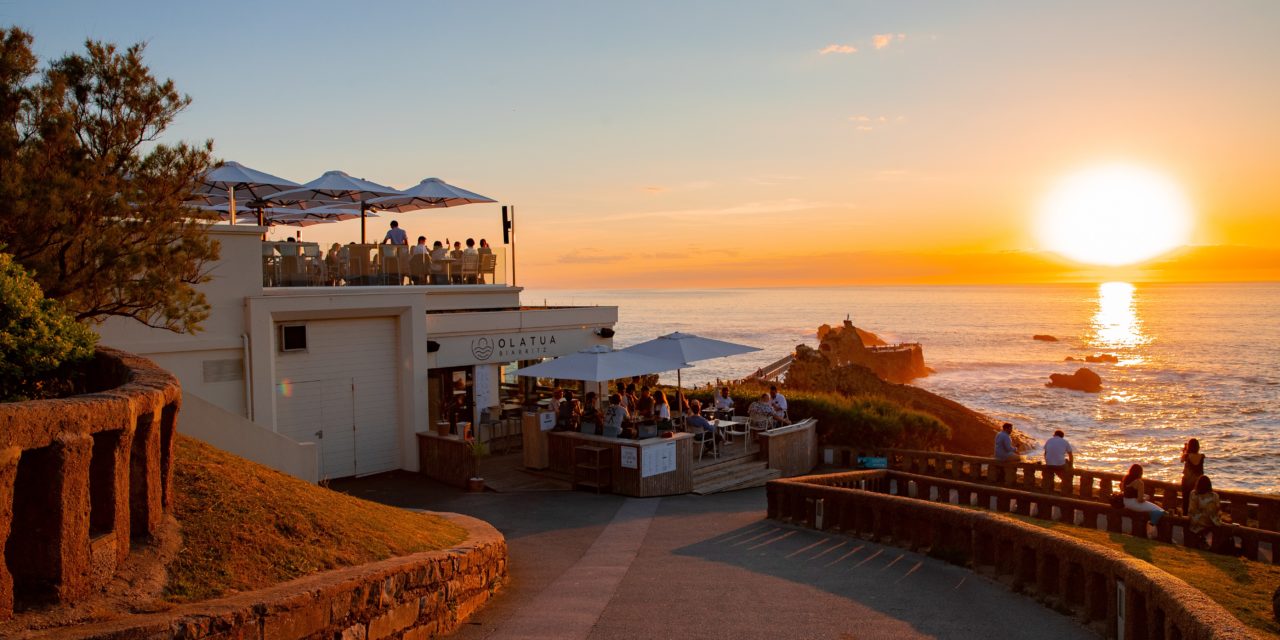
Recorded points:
(848, 344)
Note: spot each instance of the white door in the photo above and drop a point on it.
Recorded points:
(343, 394)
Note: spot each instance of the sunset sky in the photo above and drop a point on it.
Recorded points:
(669, 144)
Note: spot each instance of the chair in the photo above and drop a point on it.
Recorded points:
(389, 256)
(270, 265)
(743, 430)
(701, 437)
(759, 423)
(314, 262)
(488, 267)
(420, 268)
(470, 268)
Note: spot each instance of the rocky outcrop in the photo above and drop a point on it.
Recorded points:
(971, 432)
(1044, 337)
(1102, 357)
(848, 344)
(1082, 380)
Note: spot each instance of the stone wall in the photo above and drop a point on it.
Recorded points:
(83, 477)
(1114, 593)
(418, 596)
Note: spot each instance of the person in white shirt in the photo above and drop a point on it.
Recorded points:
(395, 235)
(1058, 458)
(471, 248)
(778, 400)
(421, 247)
(724, 405)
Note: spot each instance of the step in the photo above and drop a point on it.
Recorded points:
(755, 478)
(726, 457)
(719, 467)
(729, 472)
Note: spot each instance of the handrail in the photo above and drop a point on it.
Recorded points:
(1260, 511)
(1101, 585)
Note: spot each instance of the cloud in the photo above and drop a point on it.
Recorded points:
(590, 255)
(838, 48)
(654, 189)
(871, 123)
(882, 40)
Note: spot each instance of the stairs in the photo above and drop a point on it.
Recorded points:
(732, 472)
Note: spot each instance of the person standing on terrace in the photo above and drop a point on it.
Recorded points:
(395, 235)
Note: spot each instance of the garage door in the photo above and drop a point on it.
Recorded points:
(342, 392)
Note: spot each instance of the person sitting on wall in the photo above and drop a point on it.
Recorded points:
(1206, 518)
(724, 405)
(1005, 454)
(1059, 457)
(590, 420)
(615, 417)
(1135, 495)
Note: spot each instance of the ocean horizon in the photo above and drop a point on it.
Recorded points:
(1194, 359)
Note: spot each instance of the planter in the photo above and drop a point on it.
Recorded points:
(475, 485)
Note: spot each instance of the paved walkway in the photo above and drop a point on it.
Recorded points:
(586, 566)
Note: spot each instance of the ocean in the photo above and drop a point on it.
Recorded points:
(1195, 360)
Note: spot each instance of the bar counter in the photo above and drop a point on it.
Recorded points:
(638, 468)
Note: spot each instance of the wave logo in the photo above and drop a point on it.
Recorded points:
(481, 348)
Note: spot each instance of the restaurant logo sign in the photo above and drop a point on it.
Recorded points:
(513, 347)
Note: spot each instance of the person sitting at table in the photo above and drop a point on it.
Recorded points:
(661, 410)
(695, 420)
(724, 405)
(568, 413)
(615, 417)
(484, 247)
(471, 248)
(763, 409)
(778, 400)
(438, 253)
(457, 251)
(557, 396)
(395, 235)
(629, 397)
(333, 263)
(644, 405)
(421, 248)
(589, 422)
(457, 254)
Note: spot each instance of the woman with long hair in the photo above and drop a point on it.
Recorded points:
(1135, 498)
(1192, 470)
(1206, 514)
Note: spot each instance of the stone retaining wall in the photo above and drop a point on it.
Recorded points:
(418, 596)
(1115, 593)
(81, 478)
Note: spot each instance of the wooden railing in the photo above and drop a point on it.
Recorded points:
(1251, 509)
(1105, 588)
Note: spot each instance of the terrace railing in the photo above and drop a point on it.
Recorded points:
(1106, 588)
(1251, 509)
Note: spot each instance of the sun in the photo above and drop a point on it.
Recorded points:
(1114, 215)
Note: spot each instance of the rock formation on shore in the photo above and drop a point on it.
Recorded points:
(1082, 380)
(1044, 337)
(1102, 357)
(971, 432)
(848, 344)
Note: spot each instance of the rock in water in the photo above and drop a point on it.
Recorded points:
(1044, 338)
(1082, 380)
(1102, 357)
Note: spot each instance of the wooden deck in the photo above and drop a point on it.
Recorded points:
(735, 468)
(506, 474)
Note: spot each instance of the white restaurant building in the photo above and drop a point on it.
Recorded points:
(335, 381)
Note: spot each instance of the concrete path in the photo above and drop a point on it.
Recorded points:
(586, 566)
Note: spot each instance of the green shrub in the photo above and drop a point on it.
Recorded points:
(864, 421)
(40, 343)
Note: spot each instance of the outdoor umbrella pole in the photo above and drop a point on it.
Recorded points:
(362, 210)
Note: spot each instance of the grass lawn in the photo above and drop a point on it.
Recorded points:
(246, 527)
(1242, 587)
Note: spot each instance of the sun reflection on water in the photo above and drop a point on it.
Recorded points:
(1117, 324)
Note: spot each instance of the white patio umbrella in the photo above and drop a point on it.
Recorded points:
(226, 180)
(687, 347)
(600, 364)
(333, 187)
(430, 193)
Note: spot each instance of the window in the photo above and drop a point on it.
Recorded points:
(293, 337)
